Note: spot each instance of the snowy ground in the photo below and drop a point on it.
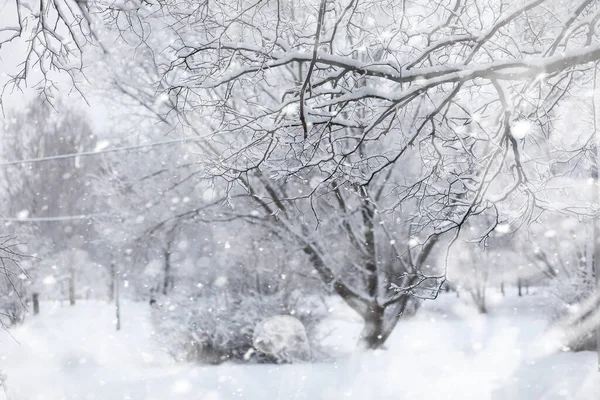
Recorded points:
(447, 352)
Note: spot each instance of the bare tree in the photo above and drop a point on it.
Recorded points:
(37, 191)
(53, 34)
(46, 204)
(342, 115)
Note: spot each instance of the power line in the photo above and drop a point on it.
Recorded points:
(96, 152)
(53, 219)
(85, 154)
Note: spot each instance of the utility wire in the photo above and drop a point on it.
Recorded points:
(96, 152)
(85, 154)
(52, 219)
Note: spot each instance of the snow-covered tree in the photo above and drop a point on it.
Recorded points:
(343, 118)
(48, 193)
(48, 203)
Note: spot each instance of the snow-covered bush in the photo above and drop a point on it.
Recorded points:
(12, 310)
(214, 326)
(282, 337)
(572, 290)
(562, 249)
(575, 308)
(12, 287)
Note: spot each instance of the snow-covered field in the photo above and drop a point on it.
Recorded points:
(447, 352)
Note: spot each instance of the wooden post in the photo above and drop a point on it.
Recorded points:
(117, 302)
(36, 303)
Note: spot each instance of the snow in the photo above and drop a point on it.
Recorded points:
(283, 337)
(521, 129)
(448, 351)
(502, 228)
(23, 214)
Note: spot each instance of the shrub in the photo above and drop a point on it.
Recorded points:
(217, 326)
(575, 309)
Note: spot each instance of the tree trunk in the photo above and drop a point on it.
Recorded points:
(36, 303)
(167, 279)
(478, 296)
(502, 289)
(520, 287)
(72, 287)
(111, 285)
(377, 329)
(373, 334)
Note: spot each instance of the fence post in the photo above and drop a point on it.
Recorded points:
(36, 303)
(117, 301)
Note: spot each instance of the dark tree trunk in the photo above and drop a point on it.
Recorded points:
(380, 324)
(520, 287)
(373, 335)
(369, 247)
(167, 283)
(72, 288)
(36, 303)
(478, 296)
(481, 307)
(111, 285)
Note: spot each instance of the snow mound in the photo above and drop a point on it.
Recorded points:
(284, 337)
